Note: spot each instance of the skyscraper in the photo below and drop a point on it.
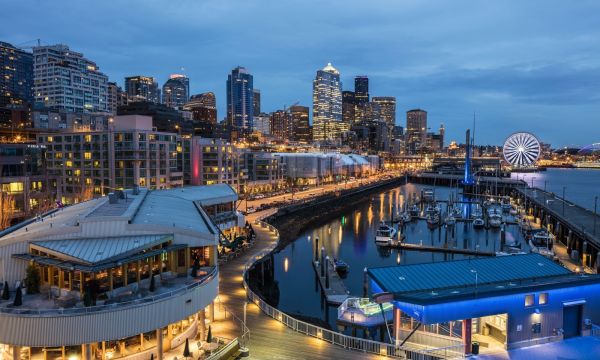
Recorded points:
(348, 107)
(281, 124)
(387, 108)
(240, 99)
(176, 91)
(328, 123)
(256, 101)
(416, 130)
(361, 90)
(65, 80)
(142, 88)
(300, 124)
(116, 97)
(16, 75)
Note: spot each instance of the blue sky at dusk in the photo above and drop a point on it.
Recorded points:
(520, 65)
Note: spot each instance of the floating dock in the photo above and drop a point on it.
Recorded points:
(418, 247)
(336, 293)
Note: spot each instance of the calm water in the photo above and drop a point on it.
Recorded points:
(350, 237)
(581, 185)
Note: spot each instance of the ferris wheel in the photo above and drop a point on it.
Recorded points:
(521, 149)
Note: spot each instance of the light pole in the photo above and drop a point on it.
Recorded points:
(595, 212)
(563, 199)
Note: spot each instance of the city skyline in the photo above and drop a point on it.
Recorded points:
(535, 76)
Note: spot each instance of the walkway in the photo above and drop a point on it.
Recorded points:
(580, 348)
(270, 339)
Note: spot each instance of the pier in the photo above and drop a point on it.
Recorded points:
(576, 229)
(419, 247)
(331, 283)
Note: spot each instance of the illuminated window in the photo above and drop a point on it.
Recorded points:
(88, 138)
(543, 298)
(50, 139)
(529, 300)
(87, 155)
(69, 163)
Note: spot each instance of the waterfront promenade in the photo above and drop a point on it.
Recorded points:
(269, 339)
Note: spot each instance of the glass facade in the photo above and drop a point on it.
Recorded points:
(327, 105)
(240, 99)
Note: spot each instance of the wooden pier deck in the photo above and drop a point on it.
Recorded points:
(337, 292)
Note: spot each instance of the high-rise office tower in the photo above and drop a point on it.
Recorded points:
(240, 99)
(65, 80)
(203, 107)
(328, 123)
(281, 124)
(361, 89)
(16, 75)
(116, 97)
(300, 123)
(387, 108)
(256, 101)
(142, 88)
(176, 91)
(348, 107)
(262, 123)
(416, 129)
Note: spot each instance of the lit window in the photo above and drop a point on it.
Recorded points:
(529, 300)
(88, 138)
(87, 155)
(543, 298)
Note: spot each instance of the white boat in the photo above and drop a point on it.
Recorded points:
(427, 195)
(406, 217)
(450, 220)
(432, 219)
(505, 205)
(478, 223)
(414, 210)
(495, 220)
(385, 234)
(541, 242)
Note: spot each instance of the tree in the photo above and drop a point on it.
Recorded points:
(186, 350)
(7, 208)
(209, 335)
(32, 279)
(5, 291)
(18, 297)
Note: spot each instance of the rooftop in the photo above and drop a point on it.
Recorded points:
(441, 281)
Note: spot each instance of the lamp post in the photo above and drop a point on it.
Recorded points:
(563, 199)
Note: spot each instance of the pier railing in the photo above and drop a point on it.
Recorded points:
(412, 351)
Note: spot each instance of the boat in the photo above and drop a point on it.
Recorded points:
(414, 210)
(428, 195)
(494, 217)
(513, 211)
(385, 234)
(340, 266)
(478, 223)
(505, 204)
(457, 212)
(541, 242)
(450, 220)
(432, 219)
(406, 217)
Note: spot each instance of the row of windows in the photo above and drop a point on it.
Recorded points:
(530, 299)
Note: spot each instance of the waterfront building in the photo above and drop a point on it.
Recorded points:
(348, 107)
(416, 130)
(142, 88)
(93, 163)
(24, 180)
(328, 123)
(361, 90)
(65, 80)
(255, 101)
(176, 91)
(62, 120)
(203, 107)
(263, 172)
(301, 131)
(213, 161)
(130, 275)
(262, 123)
(164, 118)
(16, 76)
(386, 108)
(116, 97)
(319, 168)
(240, 105)
(506, 301)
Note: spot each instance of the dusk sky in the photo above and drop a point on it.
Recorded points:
(519, 65)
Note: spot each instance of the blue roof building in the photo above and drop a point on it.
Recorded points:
(508, 301)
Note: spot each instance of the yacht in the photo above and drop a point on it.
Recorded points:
(385, 234)
(414, 210)
(428, 195)
(450, 220)
(406, 217)
(494, 216)
(505, 204)
(541, 242)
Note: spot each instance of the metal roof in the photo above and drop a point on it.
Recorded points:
(450, 276)
(93, 251)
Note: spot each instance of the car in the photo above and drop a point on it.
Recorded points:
(260, 196)
(250, 210)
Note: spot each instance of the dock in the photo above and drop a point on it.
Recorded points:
(336, 293)
(418, 247)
